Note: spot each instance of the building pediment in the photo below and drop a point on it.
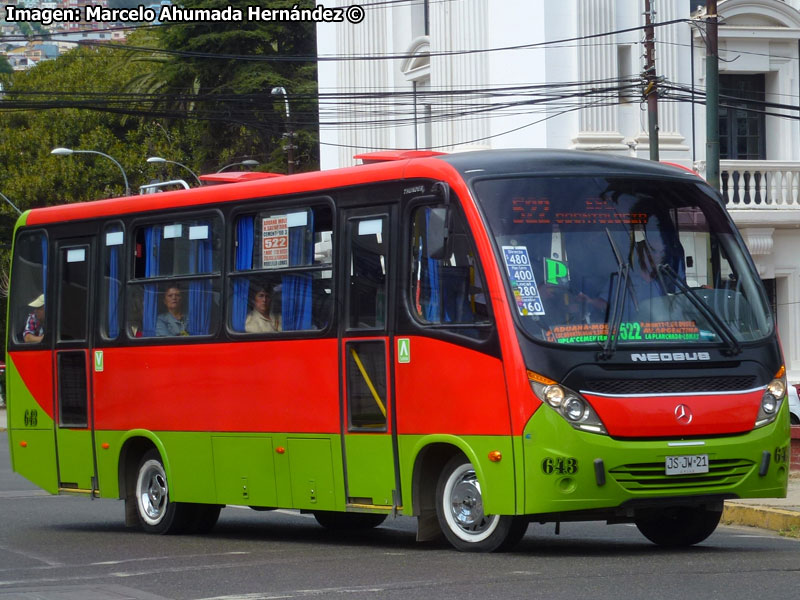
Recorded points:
(758, 13)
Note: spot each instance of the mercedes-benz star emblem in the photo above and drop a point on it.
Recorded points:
(684, 414)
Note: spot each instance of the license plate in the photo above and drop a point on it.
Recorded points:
(687, 464)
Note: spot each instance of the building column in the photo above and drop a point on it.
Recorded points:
(597, 60)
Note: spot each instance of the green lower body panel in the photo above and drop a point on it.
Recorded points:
(370, 469)
(499, 487)
(75, 459)
(301, 471)
(33, 453)
(566, 470)
(551, 469)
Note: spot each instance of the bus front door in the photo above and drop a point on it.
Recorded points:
(367, 403)
(73, 407)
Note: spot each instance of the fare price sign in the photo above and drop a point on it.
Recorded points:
(275, 242)
(523, 283)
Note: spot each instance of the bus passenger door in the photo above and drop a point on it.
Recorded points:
(73, 406)
(367, 402)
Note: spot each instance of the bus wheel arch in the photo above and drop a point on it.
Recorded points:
(428, 465)
(130, 456)
(459, 509)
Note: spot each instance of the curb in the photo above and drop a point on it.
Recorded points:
(764, 517)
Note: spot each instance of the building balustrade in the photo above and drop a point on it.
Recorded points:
(760, 184)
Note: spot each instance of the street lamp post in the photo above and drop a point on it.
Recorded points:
(245, 163)
(10, 203)
(158, 159)
(281, 91)
(68, 151)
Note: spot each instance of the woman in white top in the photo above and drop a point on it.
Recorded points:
(260, 320)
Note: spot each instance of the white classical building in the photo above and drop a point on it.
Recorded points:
(453, 75)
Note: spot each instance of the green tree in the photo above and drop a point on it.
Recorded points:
(231, 95)
(204, 110)
(32, 177)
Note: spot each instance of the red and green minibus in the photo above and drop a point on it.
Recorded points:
(478, 340)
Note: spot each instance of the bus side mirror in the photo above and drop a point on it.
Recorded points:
(437, 233)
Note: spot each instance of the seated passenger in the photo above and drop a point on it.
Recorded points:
(172, 322)
(34, 324)
(260, 319)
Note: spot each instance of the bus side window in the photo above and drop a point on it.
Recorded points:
(29, 294)
(272, 288)
(112, 281)
(189, 249)
(448, 290)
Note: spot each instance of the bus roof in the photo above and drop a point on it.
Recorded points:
(553, 162)
(237, 176)
(468, 164)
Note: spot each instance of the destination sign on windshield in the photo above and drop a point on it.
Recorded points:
(596, 211)
(584, 333)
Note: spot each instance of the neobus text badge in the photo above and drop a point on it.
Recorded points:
(686, 465)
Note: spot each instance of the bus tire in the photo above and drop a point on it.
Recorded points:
(204, 517)
(157, 514)
(342, 521)
(459, 508)
(678, 526)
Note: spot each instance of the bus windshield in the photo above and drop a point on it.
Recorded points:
(652, 261)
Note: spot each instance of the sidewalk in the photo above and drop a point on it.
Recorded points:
(776, 514)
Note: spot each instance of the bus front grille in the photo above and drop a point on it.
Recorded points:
(649, 477)
(671, 385)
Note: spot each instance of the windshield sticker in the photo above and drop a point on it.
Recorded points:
(634, 331)
(523, 283)
(556, 272)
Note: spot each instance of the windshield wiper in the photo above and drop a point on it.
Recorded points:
(617, 301)
(720, 327)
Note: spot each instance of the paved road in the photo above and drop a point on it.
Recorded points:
(66, 547)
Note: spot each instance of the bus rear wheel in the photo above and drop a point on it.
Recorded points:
(459, 508)
(204, 518)
(157, 514)
(342, 521)
(679, 526)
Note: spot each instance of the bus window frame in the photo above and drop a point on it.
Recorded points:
(446, 331)
(383, 212)
(142, 220)
(18, 344)
(101, 322)
(254, 206)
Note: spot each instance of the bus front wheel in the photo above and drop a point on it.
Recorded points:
(678, 526)
(459, 508)
(157, 514)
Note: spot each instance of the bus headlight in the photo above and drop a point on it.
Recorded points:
(769, 403)
(572, 407)
(772, 399)
(554, 395)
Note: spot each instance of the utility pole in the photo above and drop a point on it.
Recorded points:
(712, 95)
(651, 90)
